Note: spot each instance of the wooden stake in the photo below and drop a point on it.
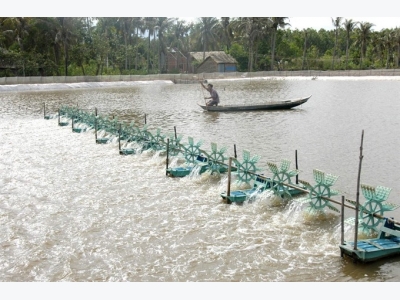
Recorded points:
(175, 133)
(119, 139)
(234, 150)
(166, 170)
(145, 121)
(358, 192)
(95, 128)
(228, 193)
(95, 123)
(342, 223)
(44, 110)
(297, 167)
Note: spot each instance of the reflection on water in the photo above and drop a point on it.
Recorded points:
(74, 210)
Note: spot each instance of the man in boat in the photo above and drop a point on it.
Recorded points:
(213, 93)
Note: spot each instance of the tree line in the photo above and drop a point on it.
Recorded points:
(77, 46)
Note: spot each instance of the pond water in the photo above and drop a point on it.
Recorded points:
(74, 210)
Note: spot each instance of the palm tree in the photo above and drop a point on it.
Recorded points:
(364, 36)
(388, 44)
(138, 24)
(397, 43)
(378, 46)
(251, 29)
(125, 27)
(162, 24)
(101, 41)
(66, 35)
(149, 28)
(304, 48)
(18, 32)
(276, 22)
(180, 38)
(224, 32)
(207, 32)
(336, 22)
(349, 26)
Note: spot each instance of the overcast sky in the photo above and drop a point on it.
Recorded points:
(326, 22)
(383, 14)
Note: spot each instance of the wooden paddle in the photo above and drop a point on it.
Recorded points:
(204, 96)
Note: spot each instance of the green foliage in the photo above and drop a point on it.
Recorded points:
(238, 52)
(45, 46)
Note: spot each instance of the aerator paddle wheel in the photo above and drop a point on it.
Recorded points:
(282, 176)
(174, 145)
(246, 171)
(192, 150)
(216, 159)
(157, 141)
(320, 191)
(370, 215)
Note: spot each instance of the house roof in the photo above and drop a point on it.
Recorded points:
(217, 56)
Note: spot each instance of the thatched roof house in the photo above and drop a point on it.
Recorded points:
(215, 61)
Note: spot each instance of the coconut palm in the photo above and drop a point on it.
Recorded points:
(138, 25)
(388, 41)
(349, 26)
(251, 29)
(207, 29)
(363, 37)
(161, 26)
(66, 35)
(397, 44)
(336, 23)
(304, 48)
(224, 32)
(180, 38)
(125, 26)
(149, 28)
(275, 23)
(18, 31)
(102, 38)
(378, 46)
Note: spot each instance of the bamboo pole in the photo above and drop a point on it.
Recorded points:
(145, 121)
(342, 223)
(119, 139)
(358, 192)
(95, 128)
(175, 133)
(166, 170)
(234, 150)
(44, 110)
(228, 193)
(58, 117)
(297, 167)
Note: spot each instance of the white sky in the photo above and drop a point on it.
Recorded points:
(384, 14)
(326, 22)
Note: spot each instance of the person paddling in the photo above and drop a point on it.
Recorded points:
(213, 93)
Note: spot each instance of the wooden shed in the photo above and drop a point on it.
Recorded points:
(215, 61)
(177, 62)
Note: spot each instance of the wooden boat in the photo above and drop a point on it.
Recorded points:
(270, 105)
(386, 244)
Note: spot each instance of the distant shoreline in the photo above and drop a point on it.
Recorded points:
(92, 81)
